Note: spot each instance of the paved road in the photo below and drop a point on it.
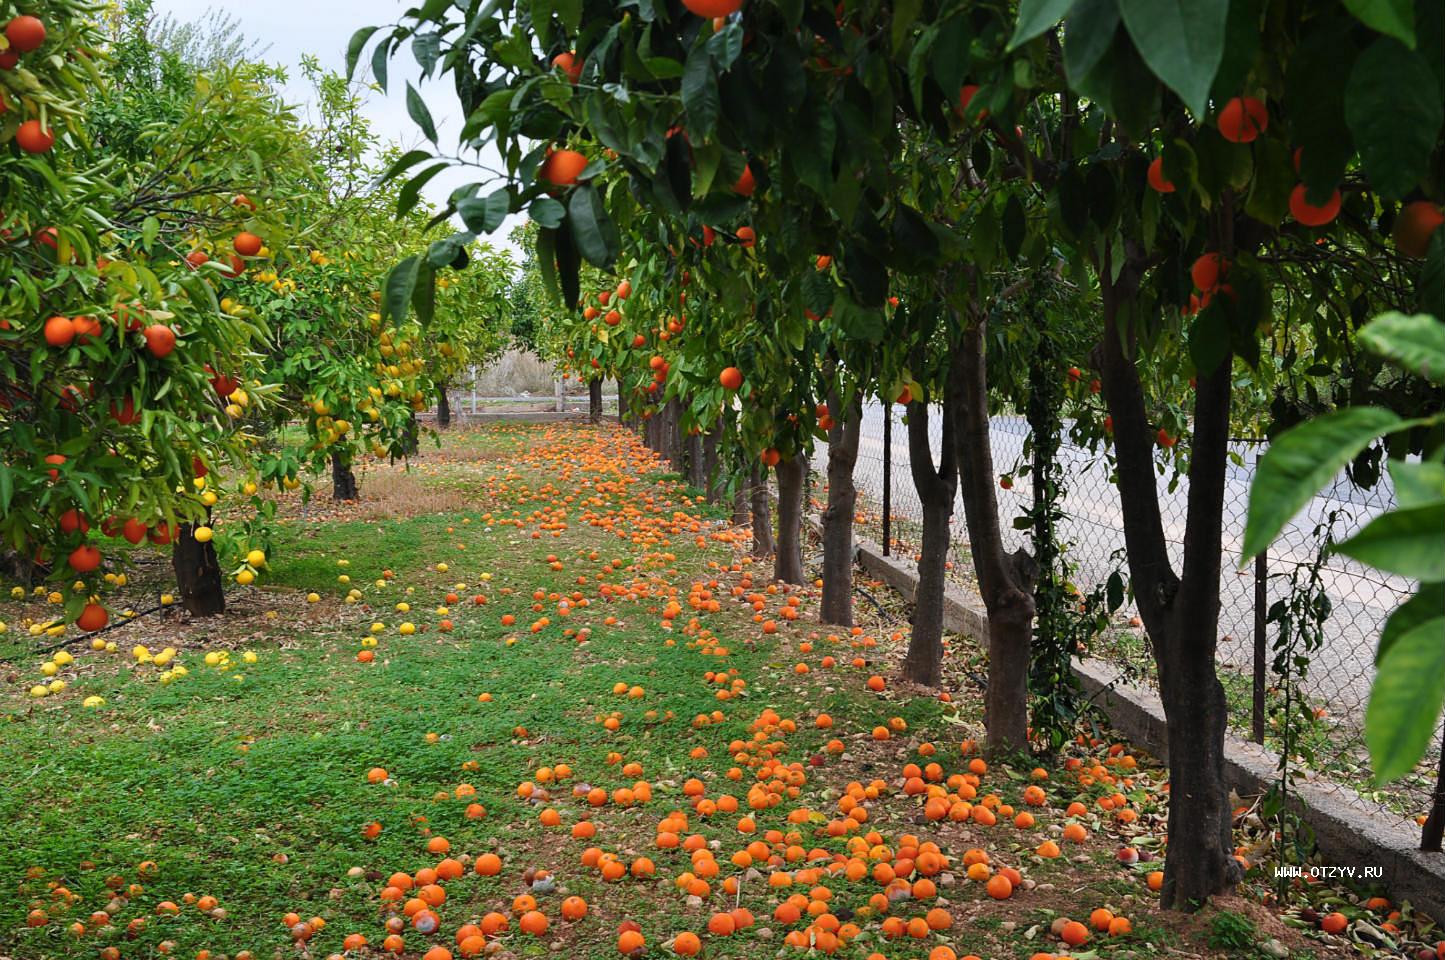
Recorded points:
(1362, 598)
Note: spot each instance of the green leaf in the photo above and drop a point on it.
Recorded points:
(417, 108)
(1426, 605)
(1431, 284)
(1417, 482)
(1182, 41)
(547, 212)
(1393, 107)
(699, 93)
(1209, 338)
(355, 46)
(1407, 542)
(547, 262)
(1299, 462)
(424, 293)
(1314, 100)
(592, 229)
(1087, 35)
(485, 214)
(1036, 16)
(398, 288)
(407, 160)
(1395, 18)
(379, 58)
(150, 228)
(905, 19)
(1405, 700)
(410, 191)
(1273, 181)
(1416, 343)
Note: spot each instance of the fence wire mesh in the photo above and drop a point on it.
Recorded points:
(1327, 701)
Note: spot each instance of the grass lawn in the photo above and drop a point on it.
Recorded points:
(553, 616)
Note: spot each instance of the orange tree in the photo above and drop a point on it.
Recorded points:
(201, 157)
(1146, 163)
(1246, 166)
(109, 396)
(471, 324)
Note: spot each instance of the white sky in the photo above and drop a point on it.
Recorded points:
(289, 29)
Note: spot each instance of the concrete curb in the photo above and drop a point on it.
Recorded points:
(1350, 830)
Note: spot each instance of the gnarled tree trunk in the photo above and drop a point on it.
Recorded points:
(444, 407)
(594, 400)
(936, 488)
(1005, 582)
(1180, 612)
(792, 484)
(761, 510)
(343, 480)
(198, 574)
(843, 436)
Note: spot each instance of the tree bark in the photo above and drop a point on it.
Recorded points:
(792, 483)
(1005, 581)
(411, 440)
(594, 400)
(761, 510)
(843, 437)
(696, 471)
(198, 574)
(675, 444)
(1180, 612)
(444, 407)
(713, 479)
(936, 488)
(652, 431)
(343, 480)
(1430, 836)
(742, 509)
(624, 416)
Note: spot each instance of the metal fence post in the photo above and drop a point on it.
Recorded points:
(1261, 609)
(887, 479)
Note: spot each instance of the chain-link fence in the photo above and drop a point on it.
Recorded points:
(1327, 701)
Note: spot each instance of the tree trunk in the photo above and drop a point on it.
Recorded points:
(652, 431)
(762, 512)
(1005, 581)
(696, 470)
(837, 603)
(711, 468)
(1180, 612)
(412, 438)
(624, 416)
(198, 574)
(675, 444)
(1430, 836)
(742, 509)
(936, 488)
(343, 480)
(594, 400)
(444, 407)
(792, 482)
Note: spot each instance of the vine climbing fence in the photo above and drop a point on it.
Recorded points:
(1298, 627)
